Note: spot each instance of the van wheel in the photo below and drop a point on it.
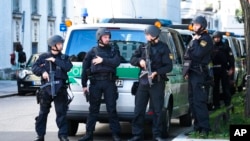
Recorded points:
(165, 120)
(72, 127)
(186, 120)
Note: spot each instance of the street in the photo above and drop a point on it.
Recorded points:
(17, 123)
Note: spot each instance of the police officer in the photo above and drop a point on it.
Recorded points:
(60, 64)
(223, 67)
(160, 63)
(99, 66)
(199, 52)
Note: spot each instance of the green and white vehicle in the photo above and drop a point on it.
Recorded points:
(127, 37)
(240, 69)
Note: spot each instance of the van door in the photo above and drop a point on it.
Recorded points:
(176, 85)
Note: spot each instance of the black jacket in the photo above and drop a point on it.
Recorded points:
(159, 56)
(61, 66)
(200, 50)
(222, 55)
(111, 60)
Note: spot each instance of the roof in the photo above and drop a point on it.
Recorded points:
(110, 25)
(164, 22)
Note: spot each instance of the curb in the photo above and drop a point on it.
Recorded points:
(183, 137)
(8, 95)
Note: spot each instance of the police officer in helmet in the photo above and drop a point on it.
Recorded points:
(199, 53)
(155, 55)
(223, 68)
(60, 64)
(99, 66)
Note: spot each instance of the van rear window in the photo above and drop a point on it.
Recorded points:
(81, 41)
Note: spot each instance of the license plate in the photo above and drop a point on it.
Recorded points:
(119, 83)
(35, 83)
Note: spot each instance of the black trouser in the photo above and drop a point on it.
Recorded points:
(156, 95)
(221, 79)
(108, 89)
(61, 107)
(198, 96)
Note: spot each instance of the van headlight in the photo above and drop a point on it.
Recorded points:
(23, 73)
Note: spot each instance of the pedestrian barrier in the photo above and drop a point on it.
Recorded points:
(223, 116)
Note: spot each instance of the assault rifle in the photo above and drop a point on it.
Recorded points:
(147, 71)
(187, 60)
(51, 82)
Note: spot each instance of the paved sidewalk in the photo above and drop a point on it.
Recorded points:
(8, 88)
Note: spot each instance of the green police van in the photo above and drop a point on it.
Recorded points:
(240, 70)
(127, 37)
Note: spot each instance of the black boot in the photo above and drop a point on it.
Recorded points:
(39, 138)
(116, 137)
(159, 139)
(63, 138)
(136, 138)
(87, 137)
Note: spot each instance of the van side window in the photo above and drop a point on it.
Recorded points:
(230, 44)
(237, 47)
(167, 39)
(179, 46)
(186, 39)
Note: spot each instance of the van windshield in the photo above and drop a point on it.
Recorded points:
(81, 41)
(32, 60)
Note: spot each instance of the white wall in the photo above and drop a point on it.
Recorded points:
(98, 9)
(5, 33)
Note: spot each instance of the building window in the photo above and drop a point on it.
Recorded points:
(50, 7)
(16, 6)
(34, 5)
(216, 23)
(34, 47)
(63, 10)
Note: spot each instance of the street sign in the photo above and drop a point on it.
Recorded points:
(63, 27)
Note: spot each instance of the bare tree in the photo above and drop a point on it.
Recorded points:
(245, 4)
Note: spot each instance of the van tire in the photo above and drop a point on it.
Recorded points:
(72, 127)
(186, 120)
(165, 121)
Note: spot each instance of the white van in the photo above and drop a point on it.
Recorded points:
(127, 37)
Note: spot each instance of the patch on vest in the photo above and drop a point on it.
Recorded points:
(203, 43)
(171, 56)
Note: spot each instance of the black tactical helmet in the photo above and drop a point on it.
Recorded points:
(217, 34)
(153, 31)
(102, 31)
(201, 20)
(52, 41)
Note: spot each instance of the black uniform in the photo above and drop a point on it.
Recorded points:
(102, 82)
(161, 63)
(223, 60)
(199, 53)
(61, 66)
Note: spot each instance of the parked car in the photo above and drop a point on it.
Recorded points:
(186, 31)
(127, 37)
(27, 82)
(240, 71)
(243, 50)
